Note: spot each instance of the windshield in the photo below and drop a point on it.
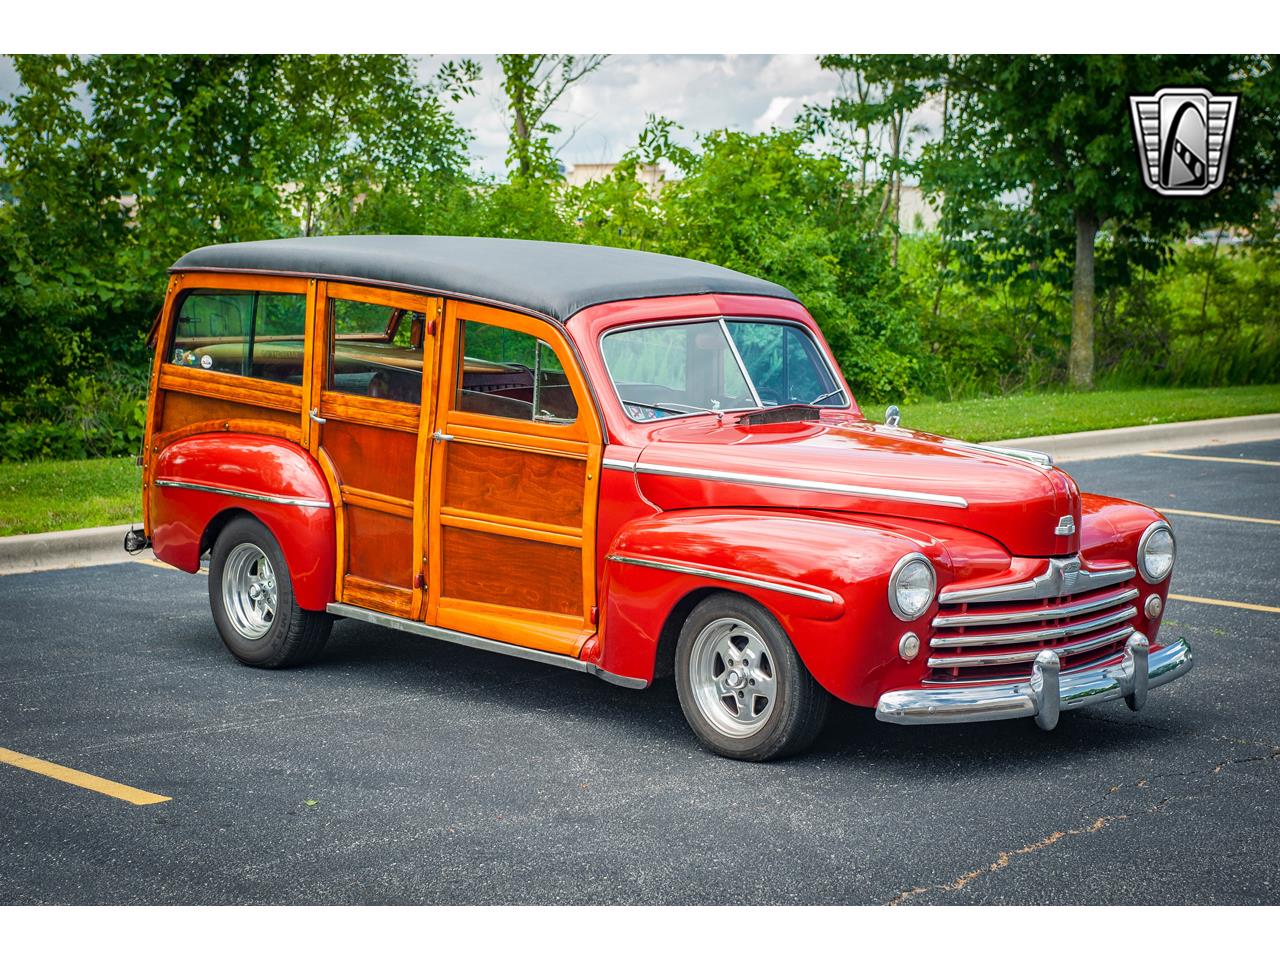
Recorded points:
(676, 369)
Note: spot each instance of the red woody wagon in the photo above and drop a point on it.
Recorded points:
(629, 465)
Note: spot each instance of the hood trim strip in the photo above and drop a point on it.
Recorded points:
(810, 486)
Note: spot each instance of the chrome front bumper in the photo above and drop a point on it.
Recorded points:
(1046, 693)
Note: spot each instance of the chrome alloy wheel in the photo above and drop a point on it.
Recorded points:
(732, 676)
(249, 593)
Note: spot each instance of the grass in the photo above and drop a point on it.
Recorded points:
(1038, 414)
(64, 495)
(68, 494)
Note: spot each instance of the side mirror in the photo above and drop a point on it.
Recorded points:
(892, 415)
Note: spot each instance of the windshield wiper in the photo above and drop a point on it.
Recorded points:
(679, 413)
(826, 396)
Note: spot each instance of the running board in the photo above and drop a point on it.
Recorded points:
(482, 643)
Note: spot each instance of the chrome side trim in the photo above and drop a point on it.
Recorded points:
(1076, 688)
(1027, 656)
(1023, 616)
(245, 495)
(628, 465)
(808, 594)
(1063, 578)
(813, 486)
(1034, 636)
(481, 643)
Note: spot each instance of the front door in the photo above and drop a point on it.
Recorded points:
(515, 469)
(370, 413)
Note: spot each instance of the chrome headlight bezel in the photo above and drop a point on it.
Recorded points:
(1145, 541)
(899, 570)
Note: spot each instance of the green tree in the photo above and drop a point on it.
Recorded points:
(533, 84)
(115, 165)
(1053, 134)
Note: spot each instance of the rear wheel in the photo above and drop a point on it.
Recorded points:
(251, 595)
(743, 689)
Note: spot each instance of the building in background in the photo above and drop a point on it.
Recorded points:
(650, 174)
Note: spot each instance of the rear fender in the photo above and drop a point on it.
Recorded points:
(198, 480)
(824, 579)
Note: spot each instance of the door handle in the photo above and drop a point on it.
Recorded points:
(315, 415)
(440, 436)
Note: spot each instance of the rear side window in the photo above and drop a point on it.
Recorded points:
(376, 351)
(241, 332)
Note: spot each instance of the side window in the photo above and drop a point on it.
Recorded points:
(375, 351)
(241, 332)
(506, 373)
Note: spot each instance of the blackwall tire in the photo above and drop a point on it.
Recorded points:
(742, 686)
(251, 595)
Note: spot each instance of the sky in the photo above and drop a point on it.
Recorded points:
(602, 114)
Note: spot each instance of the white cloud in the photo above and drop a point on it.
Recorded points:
(769, 119)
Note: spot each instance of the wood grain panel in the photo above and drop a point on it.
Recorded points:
(377, 596)
(379, 547)
(183, 409)
(225, 386)
(265, 428)
(523, 485)
(372, 458)
(520, 573)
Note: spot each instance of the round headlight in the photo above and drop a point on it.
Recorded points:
(1156, 551)
(911, 586)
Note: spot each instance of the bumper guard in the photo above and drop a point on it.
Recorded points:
(1046, 693)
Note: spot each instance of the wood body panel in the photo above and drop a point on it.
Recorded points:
(184, 409)
(522, 485)
(379, 546)
(373, 449)
(372, 458)
(486, 568)
(513, 504)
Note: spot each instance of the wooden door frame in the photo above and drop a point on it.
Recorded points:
(581, 440)
(371, 412)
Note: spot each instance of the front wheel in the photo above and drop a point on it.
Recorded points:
(251, 595)
(742, 686)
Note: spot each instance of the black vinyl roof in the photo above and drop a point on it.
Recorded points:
(555, 279)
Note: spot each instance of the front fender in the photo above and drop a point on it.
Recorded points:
(195, 480)
(824, 578)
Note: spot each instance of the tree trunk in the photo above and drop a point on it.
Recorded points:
(1080, 366)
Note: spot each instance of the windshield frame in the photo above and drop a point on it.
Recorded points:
(723, 320)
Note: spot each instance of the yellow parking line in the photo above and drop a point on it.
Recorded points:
(1218, 516)
(1238, 604)
(80, 779)
(1195, 456)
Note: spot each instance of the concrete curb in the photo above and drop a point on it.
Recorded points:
(30, 552)
(96, 546)
(1124, 441)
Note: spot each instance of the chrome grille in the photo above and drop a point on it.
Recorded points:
(989, 636)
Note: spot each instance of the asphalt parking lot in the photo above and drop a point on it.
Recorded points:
(400, 770)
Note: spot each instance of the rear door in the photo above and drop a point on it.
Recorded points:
(514, 473)
(370, 401)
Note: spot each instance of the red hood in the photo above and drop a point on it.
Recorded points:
(857, 466)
